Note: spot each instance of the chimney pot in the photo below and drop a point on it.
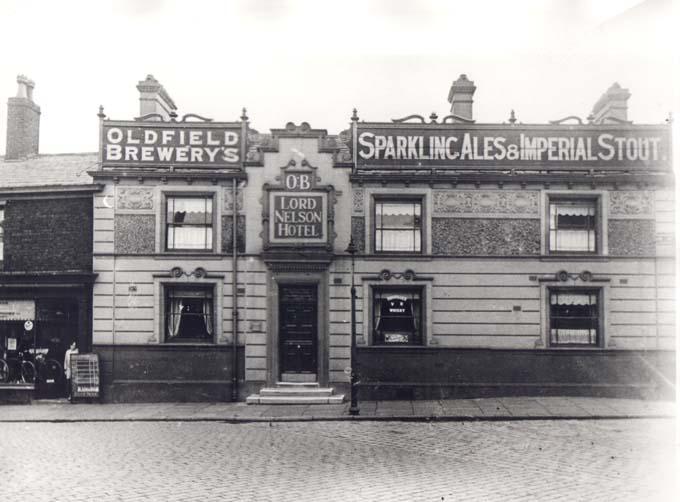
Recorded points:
(153, 98)
(613, 104)
(460, 97)
(23, 122)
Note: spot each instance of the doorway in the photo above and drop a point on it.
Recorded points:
(298, 333)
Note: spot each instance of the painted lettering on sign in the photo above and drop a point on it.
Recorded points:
(298, 216)
(498, 147)
(166, 144)
(298, 181)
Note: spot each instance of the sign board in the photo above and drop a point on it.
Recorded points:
(497, 147)
(298, 217)
(84, 375)
(17, 310)
(165, 144)
(298, 209)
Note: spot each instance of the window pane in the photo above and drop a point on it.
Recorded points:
(189, 223)
(574, 317)
(189, 315)
(397, 226)
(397, 317)
(573, 226)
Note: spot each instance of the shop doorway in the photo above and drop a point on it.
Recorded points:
(56, 327)
(298, 333)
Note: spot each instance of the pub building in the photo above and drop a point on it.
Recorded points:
(45, 256)
(491, 259)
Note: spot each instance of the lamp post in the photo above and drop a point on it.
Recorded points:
(354, 407)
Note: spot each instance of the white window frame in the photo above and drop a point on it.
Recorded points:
(395, 194)
(189, 191)
(601, 203)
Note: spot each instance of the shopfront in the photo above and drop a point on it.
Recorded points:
(37, 326)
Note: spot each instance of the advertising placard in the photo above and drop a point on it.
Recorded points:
(496, 147)
(165, 144)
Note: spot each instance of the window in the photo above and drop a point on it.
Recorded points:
(573, 226)
(189, 314)
(397, 316)
(397, 226)
(189, 223)
(574, 317)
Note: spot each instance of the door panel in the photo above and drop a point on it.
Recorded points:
(298, 328)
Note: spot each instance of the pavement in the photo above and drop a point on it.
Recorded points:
(481, 409)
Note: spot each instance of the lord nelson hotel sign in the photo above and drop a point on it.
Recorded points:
(165, 144)
(297, 212)
(620, 146)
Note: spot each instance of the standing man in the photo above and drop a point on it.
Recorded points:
(73, 349)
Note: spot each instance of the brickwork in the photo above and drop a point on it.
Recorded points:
(23, 128)
(48, 235)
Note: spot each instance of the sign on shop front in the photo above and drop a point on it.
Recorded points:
(298, 216)
(167, 144)
(17, 310)
(297, 208)
(611, 147)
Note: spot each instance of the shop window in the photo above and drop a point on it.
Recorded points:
(189, 314)
(573, 226)
(574, 317)
(189, 223)
(398, 226)
(397, 316)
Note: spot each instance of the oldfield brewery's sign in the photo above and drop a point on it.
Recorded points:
(298, 211)
(166, 144)
(549, 147)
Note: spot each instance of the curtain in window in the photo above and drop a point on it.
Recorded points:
(190, 237)
(573, 318)
(207, 314)
(574, 298)
(189, 223)
(572, 226)
(397, 226)
(175, 316)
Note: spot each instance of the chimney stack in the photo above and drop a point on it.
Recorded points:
(460, 97)
(612, 105)
(23, 122)
(153, 98)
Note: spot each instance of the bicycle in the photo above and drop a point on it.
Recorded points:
(47, 370)
(17, 369)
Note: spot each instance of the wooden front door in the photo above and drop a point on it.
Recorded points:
(298, 328)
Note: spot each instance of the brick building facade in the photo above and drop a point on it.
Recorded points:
(45, 255)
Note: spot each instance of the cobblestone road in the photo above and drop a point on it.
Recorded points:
(339, 461)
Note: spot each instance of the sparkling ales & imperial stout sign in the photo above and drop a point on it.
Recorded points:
(493, 147)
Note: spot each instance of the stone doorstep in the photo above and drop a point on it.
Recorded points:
(296, 391)
(259, 399)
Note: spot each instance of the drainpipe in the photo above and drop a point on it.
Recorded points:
(234, 294)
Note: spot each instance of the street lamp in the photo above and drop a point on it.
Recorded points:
(354, 407)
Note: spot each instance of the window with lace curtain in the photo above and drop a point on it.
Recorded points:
(397, 226)
(189, 314)
(573, 226)
(574, 317)
(189, 223)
